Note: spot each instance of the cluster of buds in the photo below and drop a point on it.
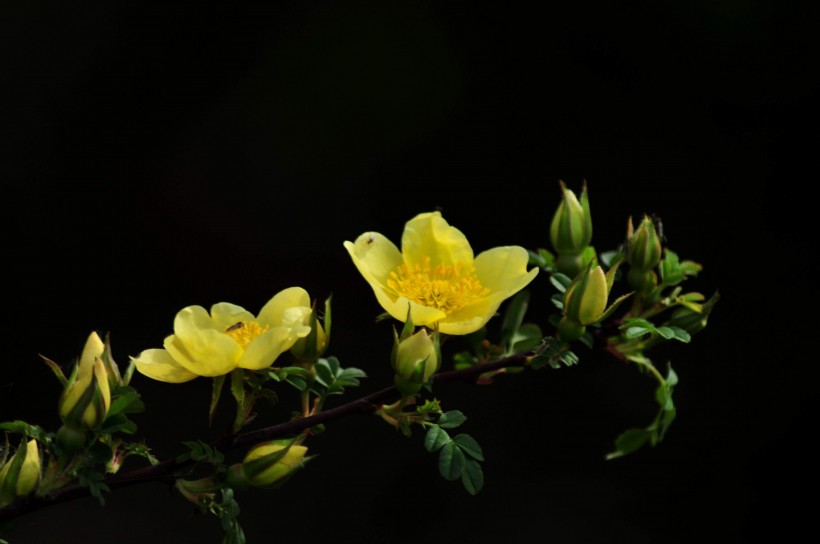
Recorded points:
(571, 231)
(415, 358)
(86, 396)
(268, 465)
(20, 475)
(643, 254)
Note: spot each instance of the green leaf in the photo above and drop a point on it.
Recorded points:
(560, 281)
(607, 258)
(298, 383)
(665, 332)
(681, 335)
(216, 392)
(297, 371)
(118, 423)
(435, 438)
(635, 332)
(127, 402)
(542, 258)
(463, 360)
(324, 373)
(558, 300)
(228, 512)
(93, 480)
(451, 461)
(100, 453)
(526, 338)
(468, 444)
(472, 477)
(513, 317)
(451, 419)
(629, 441)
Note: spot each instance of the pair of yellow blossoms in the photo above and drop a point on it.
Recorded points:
(435, 273)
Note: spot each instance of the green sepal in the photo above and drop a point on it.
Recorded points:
(216, 393)
(612, 307)
(55, 368)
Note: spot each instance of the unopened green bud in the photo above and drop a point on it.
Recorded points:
(270, 464)
(415, 361)
(20, 475)
(571, 230)
(86, 397)
(644, 245)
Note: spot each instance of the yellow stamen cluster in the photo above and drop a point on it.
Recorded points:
(446, 287)
(244, 332)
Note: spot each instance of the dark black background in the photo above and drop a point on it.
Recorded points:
(157, 157)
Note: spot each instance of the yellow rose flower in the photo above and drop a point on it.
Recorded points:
(436, 274)
(229, 337)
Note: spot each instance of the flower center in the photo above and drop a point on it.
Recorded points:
(446, 287)
(245, 332)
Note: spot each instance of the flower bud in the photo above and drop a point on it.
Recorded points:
(20, 475)
(415, 360)
(571, 231)
(585, 298)
(313, 346)
(86, 396)
(270, 464)
(644, 245)
(584, 302)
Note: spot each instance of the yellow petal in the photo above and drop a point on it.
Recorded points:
(429, 235)
(504, 269)
(205, 353)
(594, 297)
(158, 364)
(225, 314)
(375, 256)
(101, 375)
(421, 315)
(273, 313)
(94, 347)
(472, 317)
(29, 475)
(267, 347)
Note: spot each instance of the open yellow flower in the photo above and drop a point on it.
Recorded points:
(229, 337)
(436, 274)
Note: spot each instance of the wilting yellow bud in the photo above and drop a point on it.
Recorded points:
(571, 231)
(268, 465)
(415, 360)
(86, 397)
(20, 475)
